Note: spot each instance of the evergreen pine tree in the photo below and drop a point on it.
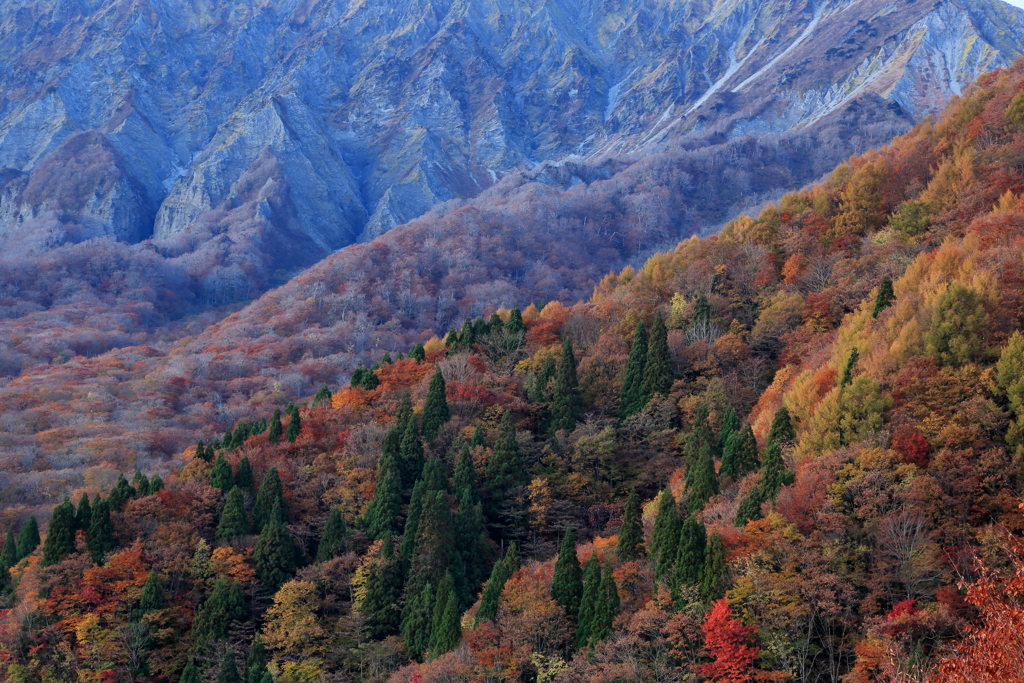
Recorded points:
(411, 453)
(713, 576)
(386, 359)
(511, 558)
(494, 322)
(606, 608)
(140, 483)
(631, 534)
(323, 396)
(190, 674)
(212, 619)
(221, 476)
(440, 634)
(156, 483)
(276, 428)
(748, 459)
(885, 296)
(274, 556)
(658, 368)
(294, 425)
(435, 540)
(334, 540)
(451, 340)
(381, 516)
(101, 531)
(731, 455)
(773, 473)
(474, 547)
(567, 404)
(690, 556)
(632, 385)
(121, 494)
(270, 495)
(8, 557)
(782, 431)
(410, 534)
(492, 593)
(541, 383)
(465, 477)
(235, 609)
(589, 600)
(416, 622)
(233, 520)
(504, 469)
(202, 453)
(244, 478)
(749, 507)
(515, 323)
(383, 592)
(665, 535)
(418, 353)
(256, 663)
(701, 311)
(228, 672)
(567, 585)
(60, 537)
(468, 336)
(478, 436)
(152, 595)
(435, 410)
(730, 426)
(28, 538)
(699, 439)
(851, 362)
(705, 480)
(83, 517)
(357, 377)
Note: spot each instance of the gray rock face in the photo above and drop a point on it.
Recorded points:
(335, 121)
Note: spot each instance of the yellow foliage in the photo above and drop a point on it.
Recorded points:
(292, 623)
(233, 564)
(433, 344)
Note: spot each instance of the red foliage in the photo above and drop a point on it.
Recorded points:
(909, 442)
(731, 644)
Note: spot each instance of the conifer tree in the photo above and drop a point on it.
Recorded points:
(244, 478)
(411, 453)
(851, 362)
(515, 323)
(276, 428)
(699, 439)
(548, 369)
(658, 368)
(435, 410)
(885, 296)
(434, 545)
(140, 483)
(494, 322)
(294, 425)
(221, 476)
(256, 663)
(740, 454)
(632, 385)
(101, 531)
(748, 458)
(416, 622)
(445, 629)
(774, 473)
(730, 425)
(357, 377)
(386, 359)
(589, 600)
(478, 436)
(234, 522)
(190, 674)
(410, 534)
(631, 534)
(156, 483)
(665, 534)
(749, 507)
(270, 495)
(606, 608)
(511, 558)
(8, 558)
(451, 340)
(567, 586)
(474, 548)
(468, 335)
(323, 396)
(381, 515)
(418, 353)
(121, 494)
(60, 537)
(705, 480)
(334, 540)
(465, 477)
(228, 672)
(713, 576)
(504, 469)
(28, 538)
(202, 453)
(213, 618)
(567, 404)
(152, 595)
(83, 517)
(690, 556)
(383, 592)
(274, 556)
(782, 431)
(492, 593)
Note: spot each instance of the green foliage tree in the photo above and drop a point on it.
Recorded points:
(221, 476)
(465, 477)
(451, 340)
(244, 478)
(334, 539)
(412, 521)
(234, 521)
(730, 426)
(781, 432)
(589, 600)
(750, 506)
(774, 473)
(276, 428)
(121, 494)
(851, 363)
(705, 480)
(295, 426)
(690, 555)
(270, 495)
(665, 534)
(323, 396)
(228, 672)
(152, 595)
(567, 585)
(202, 453)
(515, 324)
(1010, 378)
(417, 620)
(658, 368)
(190, 674)
(606, 608)
(567, 404)
(380, 604)
(631, 534)
(478, 436)
(60, 537)
(445, 629)
(156, 484)
(474, 548)
(435, 410)
(101, 531)
(140, 483)
(435, 552)
(256, 663)
(714, 575)
(958, 327)
(83, 517)
(468, 335)
(411, 453)
(632, 384)
(274, 556)
(492, 593)
(505, 468)
(885, 296)
(214, 618)
(541, 383)
(381, 516)
(8, 558)
(418, 353)
(28, 538)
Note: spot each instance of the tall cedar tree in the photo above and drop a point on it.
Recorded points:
(631, 534)
(156, 483)
(435, 549)
(511, 558)
(713, 576)
(202, 453)
(632, 385)
(567, 404)
(140, 483)
(274, 555)
(465, 477)
(665, 535)
(276, 428)
(417, 621)
(412, 522)
(271, 495)
(28, 538)
(504, 469)
(228, 672)
(782, 431)
(740, 454)
(294, 426)
(607, 607)
(224, 605)
(885, 296)
(256, 663)
(474, 547)
(383, 593)
(851, 363)
(392, 444)
(60, 537)
(190, 674)
(730, 425)
(705, 480)
(411, 453)
(101, 531)
(323, 396)
(445, 629)
(515, 323)
(435, 410)
(589, 600)
(221, 476)
(8, 558)
(381, 516)
(478, 436)
(658, 368)
(244, 478)
(773, 473)
(750, 506)
(152, 595)
(547, 373)
(468, 336)
(121, 494)
(699, 439)
(418, 353)
(234, 522)
(690, 556)
(451, 340)
(83, 516)
(492, 593)
(567, 586)
(334, 539)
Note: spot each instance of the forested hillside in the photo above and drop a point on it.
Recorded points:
(791, 451)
